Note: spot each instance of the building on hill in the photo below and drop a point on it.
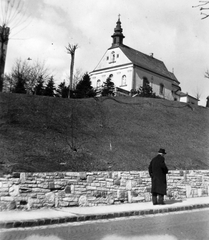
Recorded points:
(130, 69)
(186, 98)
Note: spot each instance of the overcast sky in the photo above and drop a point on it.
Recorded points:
(172, 30)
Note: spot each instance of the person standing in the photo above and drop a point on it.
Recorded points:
(157, 171)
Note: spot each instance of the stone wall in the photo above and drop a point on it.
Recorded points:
(66, 189)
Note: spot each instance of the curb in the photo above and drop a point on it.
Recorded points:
(93, 217)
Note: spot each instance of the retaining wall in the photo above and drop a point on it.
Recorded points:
(66, 189)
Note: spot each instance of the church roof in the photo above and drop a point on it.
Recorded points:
(147, 62)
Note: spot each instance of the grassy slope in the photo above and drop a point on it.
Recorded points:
(108, 134)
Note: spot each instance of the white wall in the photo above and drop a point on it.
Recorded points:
(107, 60)
(189, 99)
(155, 81)
(117, 76)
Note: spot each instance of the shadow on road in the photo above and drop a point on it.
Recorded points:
(172, 201)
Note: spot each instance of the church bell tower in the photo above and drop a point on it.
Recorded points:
(118, 34)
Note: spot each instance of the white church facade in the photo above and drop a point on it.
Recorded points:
(130, 69)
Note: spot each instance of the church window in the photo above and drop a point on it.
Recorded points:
(162, 89)
(107, 58)
(145, 82)
(112, 56)
(123, 80)
(98, 83)
(117, 55)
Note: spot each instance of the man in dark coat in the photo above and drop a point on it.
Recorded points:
(157, 172)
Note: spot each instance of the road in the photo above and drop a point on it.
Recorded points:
(188, 225)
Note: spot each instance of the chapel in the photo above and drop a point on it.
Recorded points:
(130, 69)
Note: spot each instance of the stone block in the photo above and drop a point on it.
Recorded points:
(63, 204)
(83, 201)
(122, 194)
(129, 185)
(91, 198)
(14, 190)
(69, 199)
(49, 197)
(188, 191)
(138, 199)
(199, 192)
(110, 200)
(82, 176)
(91, 188)
(147, 197)
(73, 204)
(117, 182)
(109, 184)
(4, 189)
(140, 181)
(68, 189)
(51, 185)
(110, 174)
(72, 174)
(22, 177)
(7, 199)
(12, 205)
(90, 179)
(129, 196)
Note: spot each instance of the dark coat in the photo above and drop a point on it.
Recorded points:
(157, 172)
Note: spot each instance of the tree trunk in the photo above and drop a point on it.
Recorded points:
(4, 37)
(71, 70)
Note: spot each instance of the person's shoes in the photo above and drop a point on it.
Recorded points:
(154, 200)
(161, 200)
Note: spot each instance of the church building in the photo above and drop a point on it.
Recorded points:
(130, 69)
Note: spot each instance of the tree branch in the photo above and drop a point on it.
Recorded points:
(207, 74)
(203, 3)
(206, 15)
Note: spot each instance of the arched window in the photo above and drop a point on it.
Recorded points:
(123, 80)
(98, 83)
(145, 82)
(162, 89)
(112, 56)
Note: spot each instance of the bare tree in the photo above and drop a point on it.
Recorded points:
(77, 77)
(203, 8)
(35, 71)
(198, 94)
(11, 16)
(29, 73)
(207, 74)
(71, 50)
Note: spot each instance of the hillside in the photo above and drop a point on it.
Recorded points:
(54, 134)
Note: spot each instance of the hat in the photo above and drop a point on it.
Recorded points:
(162, 151)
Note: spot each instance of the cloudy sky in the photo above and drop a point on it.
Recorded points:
(172, 30)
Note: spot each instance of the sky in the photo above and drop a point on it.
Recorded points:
(172, 30)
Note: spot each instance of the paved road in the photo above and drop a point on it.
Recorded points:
(190, 225)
